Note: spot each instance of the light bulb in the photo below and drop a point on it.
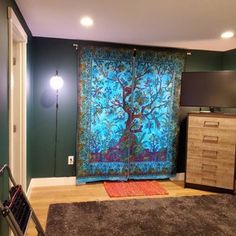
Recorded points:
(56, 82)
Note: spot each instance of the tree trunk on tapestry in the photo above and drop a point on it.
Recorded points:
(127, 114)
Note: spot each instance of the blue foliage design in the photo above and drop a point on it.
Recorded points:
(128, 108)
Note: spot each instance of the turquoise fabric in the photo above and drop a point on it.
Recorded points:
(127, 113)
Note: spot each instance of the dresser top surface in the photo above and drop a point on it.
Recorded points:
(213, 114)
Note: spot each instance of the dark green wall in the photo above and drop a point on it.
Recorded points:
(55, 54)
(229, 60)
(51, 55)
(4, 133)
(203, 61)
(3, 106)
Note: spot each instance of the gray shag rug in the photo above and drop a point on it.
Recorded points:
(198, 215)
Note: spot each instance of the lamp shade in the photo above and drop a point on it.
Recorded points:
(56, 82)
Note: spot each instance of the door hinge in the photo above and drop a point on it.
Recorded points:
(14, 61)
(14, 128)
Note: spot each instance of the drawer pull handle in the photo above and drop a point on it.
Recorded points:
(209, 154)
(209, 174)
(208, 180)
(210, 139)
(209, 168)
(212, 124)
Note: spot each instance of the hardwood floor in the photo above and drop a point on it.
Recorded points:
(42, 197)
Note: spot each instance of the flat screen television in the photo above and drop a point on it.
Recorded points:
(215, 89)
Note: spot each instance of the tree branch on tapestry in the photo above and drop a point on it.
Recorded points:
(146, 107)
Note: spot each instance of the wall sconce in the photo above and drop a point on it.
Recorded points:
(56, 83)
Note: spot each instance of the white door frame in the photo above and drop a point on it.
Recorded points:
(17, 34)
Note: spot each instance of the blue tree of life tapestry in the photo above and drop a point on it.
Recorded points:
(127, 113)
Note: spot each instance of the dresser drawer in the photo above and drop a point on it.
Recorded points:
(211, 152)
(212, 136)
(212, 180)
(211, 122)
(224, 165)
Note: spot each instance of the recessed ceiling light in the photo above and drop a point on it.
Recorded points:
(227, 34)
(86, 21)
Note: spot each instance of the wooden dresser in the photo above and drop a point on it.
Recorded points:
(211, 144)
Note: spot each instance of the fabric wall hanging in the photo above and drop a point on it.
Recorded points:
(127, 113)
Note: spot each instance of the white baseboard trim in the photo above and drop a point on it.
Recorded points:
(29, 189)
(178, 177)
(54, 181)
(47, 182)
(59, 181)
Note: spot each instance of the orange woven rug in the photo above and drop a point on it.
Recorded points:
(134, 188)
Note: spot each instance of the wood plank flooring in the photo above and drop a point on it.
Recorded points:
(42, 197)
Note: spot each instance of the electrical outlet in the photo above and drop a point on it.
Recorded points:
(70, 160)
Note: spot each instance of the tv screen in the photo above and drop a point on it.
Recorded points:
(208, 89)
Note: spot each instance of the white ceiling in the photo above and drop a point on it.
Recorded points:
(193, 24)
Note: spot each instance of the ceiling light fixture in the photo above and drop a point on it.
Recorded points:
(227, 34)
(86, 21)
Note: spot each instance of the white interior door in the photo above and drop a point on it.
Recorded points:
(17, 99)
